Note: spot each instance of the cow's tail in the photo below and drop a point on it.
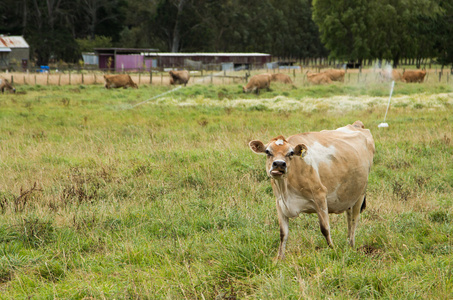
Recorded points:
(363, 204)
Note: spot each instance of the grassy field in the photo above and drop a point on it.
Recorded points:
(115, 194)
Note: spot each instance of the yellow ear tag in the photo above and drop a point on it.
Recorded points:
(303, 152)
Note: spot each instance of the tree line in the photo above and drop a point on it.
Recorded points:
(349, 30)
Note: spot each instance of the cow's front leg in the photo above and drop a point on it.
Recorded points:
(323, 216)
(283, 221)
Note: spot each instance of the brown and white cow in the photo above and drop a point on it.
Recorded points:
(179, 77)
(336, 75)
(319, 172)
(414, 76)
(280, 77)
(318, 78)
(118, 81)
(5, 85)
(258, 82)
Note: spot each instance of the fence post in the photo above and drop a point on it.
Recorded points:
(150, 76)
(35, 79)
(47, 78)
(83, 81)
(69, 77)
(59, 79)
(12, 79)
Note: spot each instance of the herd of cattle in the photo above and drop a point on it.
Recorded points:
(314, 172)
(256, 82)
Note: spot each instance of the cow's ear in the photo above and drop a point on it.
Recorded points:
(300, 150)
(257, 147)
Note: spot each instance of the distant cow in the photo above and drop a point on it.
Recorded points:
(414, 76)
(280, 77)
(389, 75)
(319, 172)
(118, 81)
(318, 78)
(335, 75)
(5, 85)
(179, 77)
(258, 82)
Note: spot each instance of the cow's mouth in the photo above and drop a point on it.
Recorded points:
(276, 173)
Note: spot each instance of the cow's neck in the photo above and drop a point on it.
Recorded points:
(281, 186)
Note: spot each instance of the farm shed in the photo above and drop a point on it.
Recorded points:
(124, 59)
(14, 52)
(90, 58)
(216, 60)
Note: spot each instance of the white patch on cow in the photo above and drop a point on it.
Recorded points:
(317, 154)
(279, 142)
(1, 81)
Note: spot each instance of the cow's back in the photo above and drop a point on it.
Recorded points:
(414, 76)
(259, 81)
(280, 77)
(336, 75)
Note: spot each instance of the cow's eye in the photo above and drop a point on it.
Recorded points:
(268, 152)
(290, 153)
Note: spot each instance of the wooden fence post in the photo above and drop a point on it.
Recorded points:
(150, 76)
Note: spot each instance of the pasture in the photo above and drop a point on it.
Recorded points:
(102, 198)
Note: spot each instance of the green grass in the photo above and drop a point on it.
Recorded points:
(100, 199)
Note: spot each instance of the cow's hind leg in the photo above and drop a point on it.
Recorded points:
(353, 215)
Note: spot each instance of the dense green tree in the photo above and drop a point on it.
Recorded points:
(442, 26)
(383, 29)
(344, 27)
(347, 29)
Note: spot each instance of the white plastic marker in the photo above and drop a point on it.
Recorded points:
(383, 124)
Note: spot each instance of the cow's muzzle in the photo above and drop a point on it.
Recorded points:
(278, 168)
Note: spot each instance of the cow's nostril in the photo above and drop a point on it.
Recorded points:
(279, 164)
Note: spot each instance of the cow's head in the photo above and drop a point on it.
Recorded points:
(6, 85)
(279, 155)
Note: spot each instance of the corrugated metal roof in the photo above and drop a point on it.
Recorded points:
(208, 54)
(13, 42)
